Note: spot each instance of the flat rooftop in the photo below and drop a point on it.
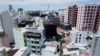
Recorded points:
(51, 49)
(20, 51)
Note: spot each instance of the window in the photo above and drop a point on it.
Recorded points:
(85, 6)
(32, 41)
(76, 34)
(76, 40)
(92, 6)
(88, 9)
(91, 9)
(38, 51)
(88, 6)
(80, 38)
(80, 34)
(33, 46)
(37, 42)
(38, 47)
(33, 51)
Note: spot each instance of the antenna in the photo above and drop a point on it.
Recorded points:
(48, 6)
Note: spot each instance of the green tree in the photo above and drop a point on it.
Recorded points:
(4, 53)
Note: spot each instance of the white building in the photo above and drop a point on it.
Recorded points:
(7, 23)
(78, 37)
(61, 15)
(22, 52)
(30, 35)
(19, 37)
(95, 46)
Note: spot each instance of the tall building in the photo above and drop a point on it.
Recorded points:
(11, 11)
(70, 15)
(97, 21)
(95, 46)
(86, 17)
(61, 15)
(50, 29)
(7, 24)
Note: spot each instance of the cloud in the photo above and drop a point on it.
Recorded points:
(30, 2)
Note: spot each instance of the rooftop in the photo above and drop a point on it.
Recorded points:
(12, 52)
(66, 52)
(20, 51)
(51, 49)
(6, 48)
(30, 25)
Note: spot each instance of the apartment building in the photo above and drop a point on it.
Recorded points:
(97, 21)
(30, 33)
(61, 15)
(7, 24)
(70, 15)
(86, 17)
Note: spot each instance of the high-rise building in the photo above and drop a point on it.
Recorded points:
(70, 15)
(86, 17)
(7, 24)
(50, 29)
(95, 46)
(61, 15)
(97, 21)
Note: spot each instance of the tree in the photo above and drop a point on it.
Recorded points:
(67, 55)
(4, 53)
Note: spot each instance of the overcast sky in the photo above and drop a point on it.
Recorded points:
(43, 4)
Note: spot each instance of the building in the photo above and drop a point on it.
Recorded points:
(34, 39)
(95, 46)
(70, 15)
(78, 37)
(50, 29)
(97, 21)
(19, 37)
(86, 17)
(7, 24)
(61, 15)
(22, 52)
(3, 37)
(56, 20)
(31, 34)
(50, 15)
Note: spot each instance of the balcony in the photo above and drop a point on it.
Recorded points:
(2, 34)
(33, 35)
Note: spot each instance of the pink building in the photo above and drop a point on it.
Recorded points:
(86, 17)
(97, 22)
(70, 15)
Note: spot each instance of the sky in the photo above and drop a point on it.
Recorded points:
(43, 4)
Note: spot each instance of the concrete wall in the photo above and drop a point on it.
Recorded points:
(19, 38)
